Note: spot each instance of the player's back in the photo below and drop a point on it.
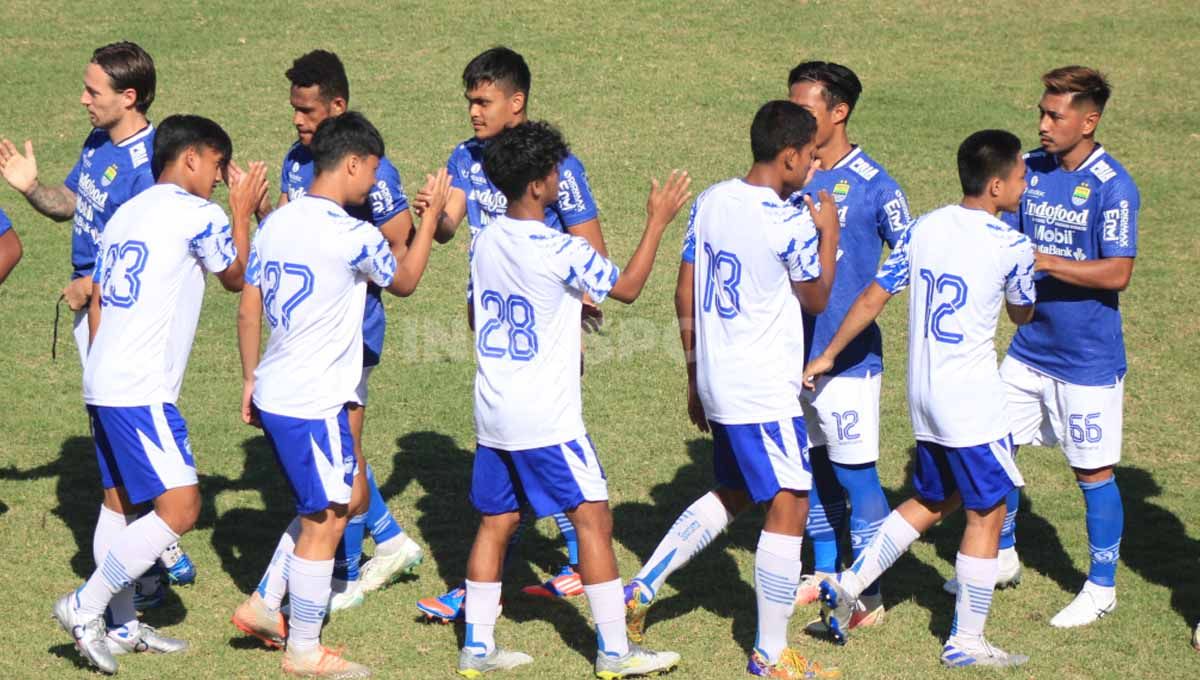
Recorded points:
(748, 246)
(526, 280)
(962, 264)
(150, 274)
(309, 259)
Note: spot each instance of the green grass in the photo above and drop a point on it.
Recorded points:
(639, 88)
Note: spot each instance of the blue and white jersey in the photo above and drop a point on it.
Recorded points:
(749, 246)
(312, 262)
(5, 223)
(150, 276)
(873, 210)
(105, 177)
(529, 281)
(963, 263)
(1087, 214)
(486, 203)
(385, 201)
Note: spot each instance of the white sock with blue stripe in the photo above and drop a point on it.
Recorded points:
(132, 552)
(120, 612)
(482, 610)
(310, 586)
(976, 583)
(776, 576)
(692, 532)
(607, 602)
(273, 585)
(892, 540)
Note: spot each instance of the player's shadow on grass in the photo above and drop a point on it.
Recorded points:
(245, 538)
(447, 523)
(713, 580)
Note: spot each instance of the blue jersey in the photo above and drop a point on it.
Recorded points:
(105, 177)
(385, 201)
(5, 223)
(485, 202)
(872, 210)
(1088, 214)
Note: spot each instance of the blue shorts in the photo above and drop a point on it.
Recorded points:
(550, 479)
(983, 474)
(762, 458)
(317, 457)
(143, 449)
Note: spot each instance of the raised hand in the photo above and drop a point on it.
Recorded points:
(21, 172)
(664, 202)
(434, 195)
(247, 188)
(824, 219)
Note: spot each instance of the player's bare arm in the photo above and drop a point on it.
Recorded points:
(93, 318)
(249, 329)
(247, 189)
(685, 310)
(865, 309)
(10, 253)
(1019, 314)
(662, 206)
(1107, 273)
(410, 265)
(814, 294)
(21, 173)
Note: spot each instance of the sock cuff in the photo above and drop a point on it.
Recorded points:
(896, 524)
(298, 566)
(358, 519)
(160, 525)
(109, 515)
(976, 570)
(713, 509)
(483, 586)
(1092, 486)
(781, 545)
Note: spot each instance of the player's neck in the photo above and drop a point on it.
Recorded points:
(129, 125)
(527, 208)
(983, 203)
(328, 187)
(174, 174)
(839, 145)
(765, 175)
(1072, 159)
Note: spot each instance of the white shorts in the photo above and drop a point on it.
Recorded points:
(82, 335)
(843, 415)
(360, 392)
(1084, 420)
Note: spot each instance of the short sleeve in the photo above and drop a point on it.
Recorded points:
(892, 214)
(254, 265)
(370, 255)
(576, 263)
(387, 196)
(1119, 212)
(142, 180)
(459, 167)
(688, 253)
(894, 274)
(213, 245)
(794, 240)
(72, 180)
(1012, 219)
(575, 202)
(1018, 284)
(5, 223)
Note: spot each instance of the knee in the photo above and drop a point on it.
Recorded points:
(500, 526)
(734, 500)
(592, 521)
(183, 510)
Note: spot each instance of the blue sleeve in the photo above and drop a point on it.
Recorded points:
(142, 179)
(689, 238)
(892, 214)
(459, 167)
(894, 275)
(1119, 209)
(1012, 219)
(72, 180)
(387, 196)
(5, 223)
(575, 202)
(283, 175)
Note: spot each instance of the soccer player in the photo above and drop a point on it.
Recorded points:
(527, 285)
(113, 167)
(319, 90)
(149, 285)
(496, 84)
(966, 262)
(751, 262)
(10, 247)
(309, 267)
(1065, 370)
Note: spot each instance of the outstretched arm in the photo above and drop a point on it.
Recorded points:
(866, 309)
(662, 206)
(247, 189)
(21, 173)
(411, 260)
(1106, 273)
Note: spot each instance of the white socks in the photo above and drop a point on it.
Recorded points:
(309, 586)
(776, 576)
(976, 583)
(607, 602)
(483, 607)
(133, 550)
(274, 583)
(108, 526)
(691, 533)
(893, 539)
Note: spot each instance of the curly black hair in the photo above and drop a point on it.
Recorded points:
(523, 154)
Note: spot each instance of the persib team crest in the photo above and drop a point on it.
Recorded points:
(110, 173)
(840, 190)
(1082, 193)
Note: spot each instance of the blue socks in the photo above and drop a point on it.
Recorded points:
(380, 523)
(826, 511)
(868, 507)
(1105, 524)
(348, 558)
(1008, 532)
(568, 534)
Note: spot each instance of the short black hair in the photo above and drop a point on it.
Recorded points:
(180, 132)
(841, 85)
(780, 125)
(523, 154)
(339, 136)
(128, 66)
(500, 66)
(323, 69)
(984, 155)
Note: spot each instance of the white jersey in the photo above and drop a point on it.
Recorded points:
(150, 274)
(964, 263)
(749, 246)
(527, 283)
(312, 262)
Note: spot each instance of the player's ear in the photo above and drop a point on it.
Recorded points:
(191, 158)
(337, 106)
(517, 102)
(1090, 120)
(129, 97)
(841, 111)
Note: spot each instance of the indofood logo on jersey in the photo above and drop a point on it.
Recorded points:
(1057, 214)
(841, 190)
(92, 193)
(110, 173)
(489, 201)
(1082, 193)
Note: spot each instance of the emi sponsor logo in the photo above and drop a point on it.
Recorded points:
(570, 198)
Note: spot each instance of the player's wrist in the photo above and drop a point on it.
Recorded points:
(29, 190)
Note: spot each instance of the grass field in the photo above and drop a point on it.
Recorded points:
(639, 88)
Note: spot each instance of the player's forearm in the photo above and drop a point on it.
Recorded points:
(590, 232)
(685, 311)
(411, 261)
(862, 313)
(57, 203)
(233, 278)
(93, 318)
(249, 330)
(629, 285)
(1109, 273)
